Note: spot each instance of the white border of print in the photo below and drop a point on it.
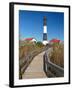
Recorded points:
(16, 45)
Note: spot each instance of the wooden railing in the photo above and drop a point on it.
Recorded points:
(51, 69)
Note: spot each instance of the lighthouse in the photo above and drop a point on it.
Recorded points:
(45, 40)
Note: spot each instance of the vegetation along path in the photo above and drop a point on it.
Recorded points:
(35, 69)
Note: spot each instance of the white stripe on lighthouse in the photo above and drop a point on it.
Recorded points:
(45, 29)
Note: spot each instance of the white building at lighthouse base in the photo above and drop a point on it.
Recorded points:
(45, 42)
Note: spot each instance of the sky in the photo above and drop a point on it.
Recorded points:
(31, 24)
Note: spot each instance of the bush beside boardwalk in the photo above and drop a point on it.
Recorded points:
(57, 54)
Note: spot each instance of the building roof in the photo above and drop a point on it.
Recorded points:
(55, 40)
(28, 39)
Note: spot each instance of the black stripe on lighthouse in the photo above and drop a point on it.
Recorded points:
(44, 36)
(45, 21)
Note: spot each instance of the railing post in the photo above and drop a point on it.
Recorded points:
(45, 66)
(20, 73)
(44, 63)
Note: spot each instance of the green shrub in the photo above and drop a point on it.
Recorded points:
(39, 44)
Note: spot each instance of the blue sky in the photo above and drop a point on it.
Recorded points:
(31, 24)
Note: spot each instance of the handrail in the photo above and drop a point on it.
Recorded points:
(51, 69)
(54, 64)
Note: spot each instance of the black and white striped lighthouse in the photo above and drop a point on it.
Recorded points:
(45, 40)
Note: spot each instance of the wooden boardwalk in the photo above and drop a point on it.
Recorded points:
(35, 69)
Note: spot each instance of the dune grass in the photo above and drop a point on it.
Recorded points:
(57, 54)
